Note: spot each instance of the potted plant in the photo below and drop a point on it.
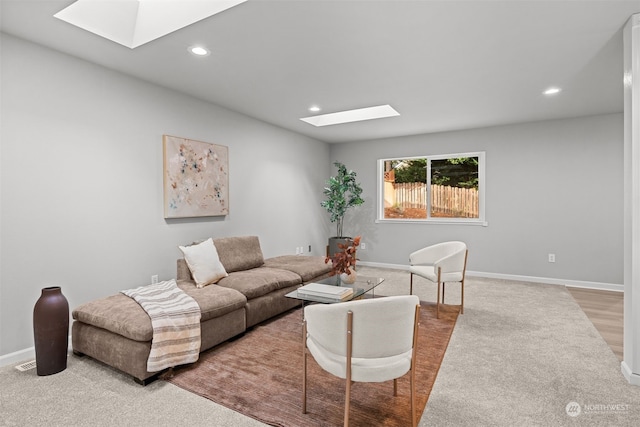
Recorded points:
(342, 192)
(343, 262)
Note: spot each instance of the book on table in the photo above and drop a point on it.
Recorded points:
(325, 291)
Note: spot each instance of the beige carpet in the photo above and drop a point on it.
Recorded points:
(260, 375)
(526, 354)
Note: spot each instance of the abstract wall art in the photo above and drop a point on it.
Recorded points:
(196, 178)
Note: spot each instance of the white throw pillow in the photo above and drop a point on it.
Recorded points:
(204, 263)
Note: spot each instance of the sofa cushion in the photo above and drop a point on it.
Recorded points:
(118, 314)
(239, 253)
(204, 263)
(307, 267)
(123, 316)
(257, 282)
(214, 300)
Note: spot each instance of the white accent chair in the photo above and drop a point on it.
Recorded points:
(441, 263)
(369, 340)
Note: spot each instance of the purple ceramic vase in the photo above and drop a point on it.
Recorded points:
(51, 331)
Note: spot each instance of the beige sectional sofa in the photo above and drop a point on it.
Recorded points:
(117, 331)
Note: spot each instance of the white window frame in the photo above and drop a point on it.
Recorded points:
(466, 221)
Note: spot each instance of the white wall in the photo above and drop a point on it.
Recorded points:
(552, 187)
(81, 182)
(631, 345)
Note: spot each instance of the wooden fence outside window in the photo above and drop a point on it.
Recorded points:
(446, 201)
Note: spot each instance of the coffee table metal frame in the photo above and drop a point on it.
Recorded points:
(361, 286)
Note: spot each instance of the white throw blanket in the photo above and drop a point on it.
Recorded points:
(175, 318)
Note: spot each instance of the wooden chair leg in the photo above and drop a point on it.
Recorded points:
(410, 283)
(395, 387)
(464, 274)
(438, 302)
(413, 398)
(439, 284)
(347, 398)
(347, 403)
(414, 353)
(304, 368)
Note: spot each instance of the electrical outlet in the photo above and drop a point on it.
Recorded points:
(297, 250)
(154, 279)
(363, 246)
(552, 257)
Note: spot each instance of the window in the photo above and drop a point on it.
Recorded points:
(443, 188)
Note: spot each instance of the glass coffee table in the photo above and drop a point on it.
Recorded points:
(361, 286)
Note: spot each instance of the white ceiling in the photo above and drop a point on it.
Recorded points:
(443, 65)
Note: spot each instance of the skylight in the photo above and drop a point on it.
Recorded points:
(360, 114)
(133, 23)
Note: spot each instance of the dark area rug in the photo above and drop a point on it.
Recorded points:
(260, 375)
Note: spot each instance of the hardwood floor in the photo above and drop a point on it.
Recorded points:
(605, 310)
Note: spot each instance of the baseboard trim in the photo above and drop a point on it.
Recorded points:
(18, 357)
(633, 379)
(551, 281)
(544, 280)
(383, 265)
(21, 356)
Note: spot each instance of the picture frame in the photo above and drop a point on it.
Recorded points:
(195, 178)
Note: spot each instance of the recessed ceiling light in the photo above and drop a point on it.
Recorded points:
(314, 109)
(199, 50)
(133, 23)
(369, 113)
(552, 91)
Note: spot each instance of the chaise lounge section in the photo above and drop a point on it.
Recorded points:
(116, 330)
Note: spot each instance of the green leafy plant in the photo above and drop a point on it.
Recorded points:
(342, 192)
